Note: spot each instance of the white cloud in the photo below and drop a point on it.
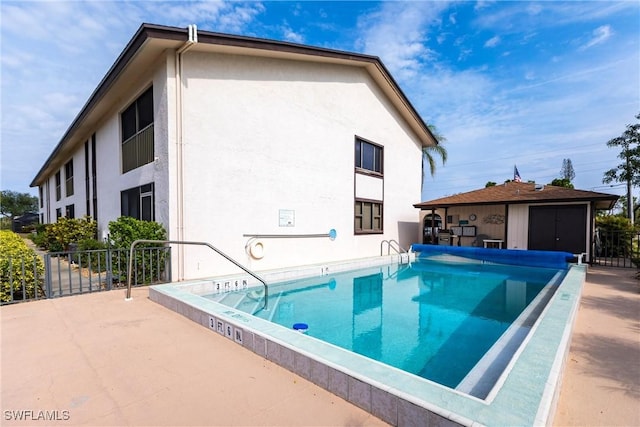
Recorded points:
(54, 54)
(464, 54)
(489, 127)
(600, 35)
(291, 35)
(482, 4)
(492, 42)
(396, 33)
(15, 58)
(529, 113)
(513, 17)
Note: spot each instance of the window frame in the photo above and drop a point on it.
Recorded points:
(68, 178)
(143, 197)
(371, 218)
(70, 211)
(136, 132)
(58, 179)
(377, 168)
(94, 177)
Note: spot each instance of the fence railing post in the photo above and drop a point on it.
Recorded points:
(108, 266)
(36, 276)
(48, 282)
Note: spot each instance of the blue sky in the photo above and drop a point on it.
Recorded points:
(506, 82)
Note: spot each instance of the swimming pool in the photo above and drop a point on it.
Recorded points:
(434, 319)
(522, 387)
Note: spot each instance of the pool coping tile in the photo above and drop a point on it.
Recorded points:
(396, 397)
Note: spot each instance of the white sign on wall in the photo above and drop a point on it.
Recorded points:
(287, 218)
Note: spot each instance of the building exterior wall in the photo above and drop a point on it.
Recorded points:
(110, 179)
(520, 231)
(261, 139)
(489, 222)
(50, 205)
(514, 230)
(266, 136)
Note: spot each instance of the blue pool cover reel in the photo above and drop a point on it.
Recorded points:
(545, 259)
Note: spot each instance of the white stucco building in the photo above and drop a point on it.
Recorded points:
(222, 137)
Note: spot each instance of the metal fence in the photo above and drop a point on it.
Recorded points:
(78, 272)
(615, 248)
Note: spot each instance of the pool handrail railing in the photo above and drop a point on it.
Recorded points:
(180, 242)
(399, 249)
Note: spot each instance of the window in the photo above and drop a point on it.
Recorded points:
(70, 211)
(93, 176)
(87, 194)
(68, 176)
(368, 217)
(58, 213)
(137, 132)
(368, 156)
(58, 188)
(41, 199)
(369, 187)
(138, 202)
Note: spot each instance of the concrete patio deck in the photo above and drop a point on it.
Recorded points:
(99, 360)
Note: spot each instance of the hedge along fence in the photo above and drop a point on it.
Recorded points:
(21, 270)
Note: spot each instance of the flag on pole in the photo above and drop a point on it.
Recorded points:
(516, 174)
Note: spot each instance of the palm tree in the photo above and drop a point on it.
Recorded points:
(429, 151)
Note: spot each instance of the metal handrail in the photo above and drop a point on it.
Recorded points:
(179, 242)
(332, 234)
(399, 249)
(285, 236)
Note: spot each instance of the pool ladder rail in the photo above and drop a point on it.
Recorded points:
(210, 246)
(393, 244)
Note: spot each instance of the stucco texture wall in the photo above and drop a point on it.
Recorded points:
(262, 136)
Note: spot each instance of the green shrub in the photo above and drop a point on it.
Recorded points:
(14, 254)
(93, 255)
(616, 235)
(56, 237)
(70, 230)
(39, 239)
(126, 230)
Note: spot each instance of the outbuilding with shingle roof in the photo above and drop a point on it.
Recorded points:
(516, 215)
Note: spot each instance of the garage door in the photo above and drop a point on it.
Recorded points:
(558, 228)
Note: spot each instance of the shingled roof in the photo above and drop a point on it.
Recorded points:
(519, 193)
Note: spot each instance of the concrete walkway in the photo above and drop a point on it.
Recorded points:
(97, 359)
(68, 279)
(601, 384)
(100, 360)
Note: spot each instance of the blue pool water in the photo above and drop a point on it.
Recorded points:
(432, 319)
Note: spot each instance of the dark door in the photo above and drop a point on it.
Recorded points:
(558, 228)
